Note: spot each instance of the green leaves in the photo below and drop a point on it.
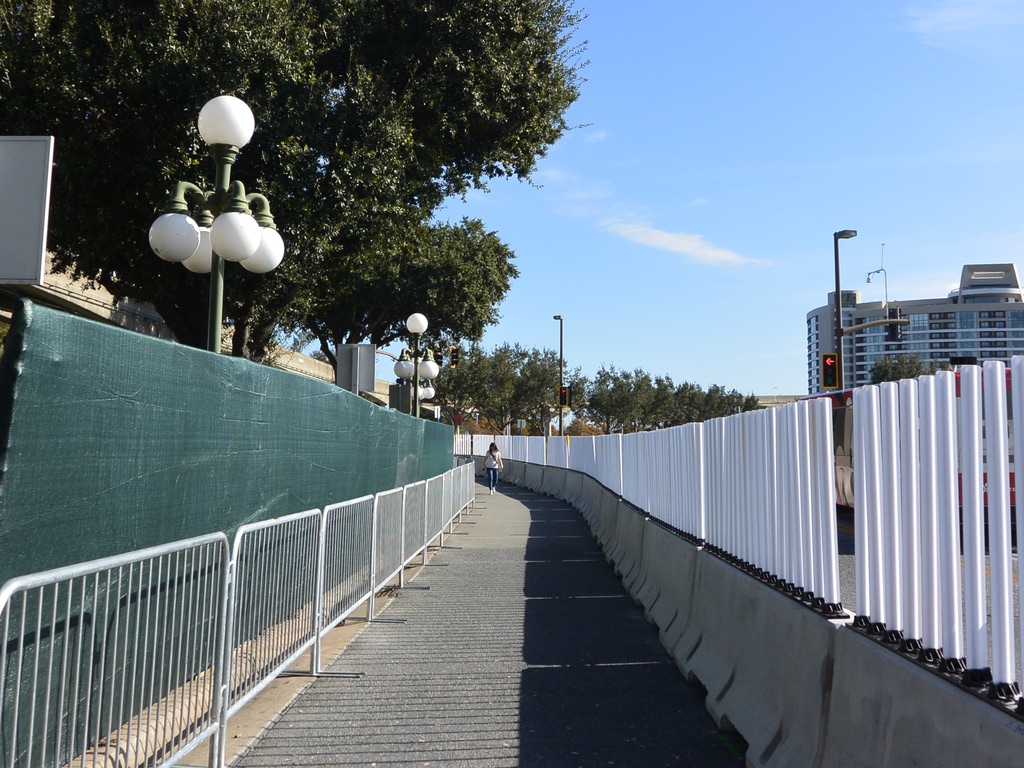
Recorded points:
(368, 115)
(897, 367)
(622, 401)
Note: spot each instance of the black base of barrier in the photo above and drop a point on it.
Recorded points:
(1008, 692)
(977, 678)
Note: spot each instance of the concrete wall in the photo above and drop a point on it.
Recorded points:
(802, 690)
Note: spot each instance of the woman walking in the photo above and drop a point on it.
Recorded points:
(492, 463)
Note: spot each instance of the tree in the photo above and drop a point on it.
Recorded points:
(496, 377)
(635, 401)
(509, 384)
(457, 388)
(537, 388)
(456, 274)
(899, 367)
(369, 115)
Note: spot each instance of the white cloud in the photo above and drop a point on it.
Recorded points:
(692, 246)
(990, 26)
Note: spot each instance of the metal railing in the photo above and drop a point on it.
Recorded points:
(114, 661)
(137, 659)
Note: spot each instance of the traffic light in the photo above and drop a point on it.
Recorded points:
(565, 397)
(829, 370)
(453, 356)
(893, 331)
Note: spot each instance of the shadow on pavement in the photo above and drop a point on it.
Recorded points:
(599, 688)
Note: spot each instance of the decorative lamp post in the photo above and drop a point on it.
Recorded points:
(228, 224)
(414, 367)
(843, 234)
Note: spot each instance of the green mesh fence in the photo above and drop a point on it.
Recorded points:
(111, 441)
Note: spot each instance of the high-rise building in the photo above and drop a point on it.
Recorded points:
(983, 319)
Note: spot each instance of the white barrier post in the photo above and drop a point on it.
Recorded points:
(889, 513)
(978, 671)
(787, 570)
(931, 607)
(867, 525)
(1003, 686)
(949, 521)
(828, 544)
(1017, 366)
(700, 498)
(910, 504)
(772, 493)
(801, 540)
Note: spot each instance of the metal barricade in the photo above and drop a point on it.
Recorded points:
(136, 659)
(274, 600)
(435, 510)
(114, 661)
(348, 539)
(389, 536)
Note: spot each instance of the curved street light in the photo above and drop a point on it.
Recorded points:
(228, 224)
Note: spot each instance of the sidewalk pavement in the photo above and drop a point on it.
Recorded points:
(515, 646)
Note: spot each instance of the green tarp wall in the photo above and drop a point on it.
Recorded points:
(112, 441)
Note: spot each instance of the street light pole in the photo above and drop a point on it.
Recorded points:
(561, 370)
(414, 370)
(229, 225)
(843, 234)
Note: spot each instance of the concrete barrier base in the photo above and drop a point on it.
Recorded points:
(887, 710)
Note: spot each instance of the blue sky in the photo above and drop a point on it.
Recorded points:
(686, 227)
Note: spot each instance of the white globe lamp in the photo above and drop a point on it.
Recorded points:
(428, 369)
(416, 324)
(226, 120)
(201, 262)
(174, 237)
(235, 236)
(269, 254)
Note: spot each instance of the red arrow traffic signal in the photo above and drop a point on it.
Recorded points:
(829, 371)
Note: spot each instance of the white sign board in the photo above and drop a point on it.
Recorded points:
(25, 164)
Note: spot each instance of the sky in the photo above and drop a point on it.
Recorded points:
(684, 225)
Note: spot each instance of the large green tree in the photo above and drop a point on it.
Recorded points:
(369, 115)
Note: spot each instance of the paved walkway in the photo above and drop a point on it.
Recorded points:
(523, 650)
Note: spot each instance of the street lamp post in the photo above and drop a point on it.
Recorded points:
(843, 234)
(418, 367)
(229, 225)
(885, 276)
(561, 369)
